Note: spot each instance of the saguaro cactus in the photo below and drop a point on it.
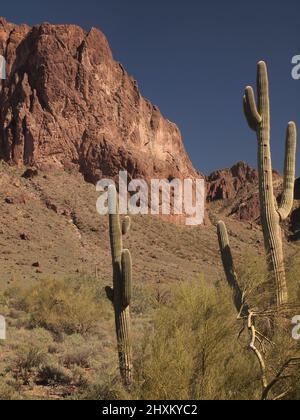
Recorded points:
(120, 295)
(229, 269)
(258, 117)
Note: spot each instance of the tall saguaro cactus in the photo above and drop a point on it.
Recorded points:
(258, 117)
(120, 295)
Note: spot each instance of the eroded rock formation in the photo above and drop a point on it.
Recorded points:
(66, 102)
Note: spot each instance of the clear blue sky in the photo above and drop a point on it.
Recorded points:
(193, 59)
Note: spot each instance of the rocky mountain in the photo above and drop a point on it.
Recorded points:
(235, 192)
(225, 184)
(67, 103)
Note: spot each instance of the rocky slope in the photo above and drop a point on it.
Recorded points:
(67, 103)
(225, 184)
(50, 229)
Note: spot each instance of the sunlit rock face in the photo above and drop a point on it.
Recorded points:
(66, 102)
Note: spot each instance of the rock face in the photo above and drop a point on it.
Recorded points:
(67, 103)
(225, 184)
(237, 189)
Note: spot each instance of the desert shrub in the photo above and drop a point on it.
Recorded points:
(186, 343)
(64, 306)
(30, 354)
(3, 300)
(293, 279)
(77, 351)
(80, 377)
(144, 299)
(107, 389)
(3, 305)
(28, 362)
(54, 374)
(254, 280)
(13, 297)
(193, 351)
(196, 348)
(37, 360)
(8, 392)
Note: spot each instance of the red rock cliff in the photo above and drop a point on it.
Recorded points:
(66, 101)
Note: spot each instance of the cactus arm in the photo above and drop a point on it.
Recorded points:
(289, 172)
(110, 294)
(250, 109)
(126, 225)
(114, 225)
(126, 278)
(229, 270)
(262, 81)
(226, 253)
(248, 115)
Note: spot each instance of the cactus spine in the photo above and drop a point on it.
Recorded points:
(258, 117)
(121, 293)
(229, 269)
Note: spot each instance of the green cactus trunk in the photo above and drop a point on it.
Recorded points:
(258, 117)
(120, 295)
(229, 270)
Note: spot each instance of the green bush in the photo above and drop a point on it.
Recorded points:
(64, 306)
(193, 352)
